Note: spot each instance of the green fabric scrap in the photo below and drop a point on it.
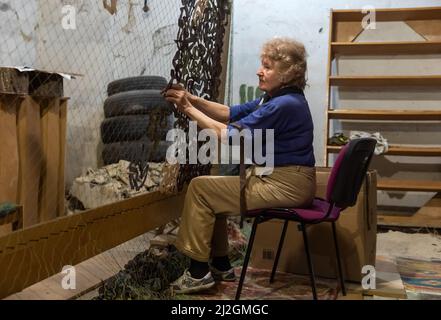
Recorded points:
(7, 208)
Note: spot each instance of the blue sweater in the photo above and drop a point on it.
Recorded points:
(287, 112)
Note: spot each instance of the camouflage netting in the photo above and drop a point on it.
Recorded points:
(146, 277)
(149, 274)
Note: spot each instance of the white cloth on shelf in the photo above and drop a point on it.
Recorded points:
(382, 144)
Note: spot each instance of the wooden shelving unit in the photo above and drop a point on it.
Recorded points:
(409, 185)
(400, 150)
(368, 114)
(374, 81)
(390, 14)
(344, 29)
(386, 48)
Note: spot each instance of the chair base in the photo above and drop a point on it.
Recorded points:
(302, 227)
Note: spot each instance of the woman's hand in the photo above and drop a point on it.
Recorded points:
(180, 97)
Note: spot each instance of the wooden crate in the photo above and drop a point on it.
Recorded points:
(34, 83)
(33, 134)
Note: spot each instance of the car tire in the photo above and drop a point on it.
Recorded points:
(135, 103)
(136, 83)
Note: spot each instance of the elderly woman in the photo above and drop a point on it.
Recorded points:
(209, 200)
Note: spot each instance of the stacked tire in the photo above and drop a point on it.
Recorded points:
(136, 115)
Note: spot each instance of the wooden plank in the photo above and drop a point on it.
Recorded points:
(61, 173)
(428, 216)
(430, 30)
(389, 283)
(402, 151)
(409, 222)
(365, 114)
(387, 48)
(391, 14)
(30, 154)
(409, 185)
(347, 31)
(51, 159)
(45, 84)
(13, 81)
(31, 255)
(90, 274)
(432, 208)
(9, 149)
(387, 81)
(326, 131)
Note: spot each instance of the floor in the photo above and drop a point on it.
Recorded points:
(395, 250)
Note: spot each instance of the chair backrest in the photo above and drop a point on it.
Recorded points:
(348, 172)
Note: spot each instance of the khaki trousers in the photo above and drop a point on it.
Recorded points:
(210, 199)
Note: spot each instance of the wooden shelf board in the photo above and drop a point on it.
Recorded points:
(387, 81)
(392, 14)
(412, 221)
(428, 216)
(384, 48)
(402, 151)
(409, 185)
(368, 114)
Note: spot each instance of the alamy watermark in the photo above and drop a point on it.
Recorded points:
(69, 281)
(69, 20)
(258, 147)
(370, 18)
(369, 281)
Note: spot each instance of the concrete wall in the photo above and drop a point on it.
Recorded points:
(103, 47)
(255, 21)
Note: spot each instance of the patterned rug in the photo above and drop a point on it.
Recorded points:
(286, 286)
(421, 278)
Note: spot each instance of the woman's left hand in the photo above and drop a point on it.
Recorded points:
(179, 97)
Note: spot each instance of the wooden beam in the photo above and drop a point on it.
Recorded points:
(409, 185)
(391, 14)
(401, 150)
(9, 148)
(387, 81)
(365, 114)
(61, 169)
(387, 48)
(50, 127)
(34, 254)
(30, 154)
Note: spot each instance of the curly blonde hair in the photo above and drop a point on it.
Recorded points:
(289, 57)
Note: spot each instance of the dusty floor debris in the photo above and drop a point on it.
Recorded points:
(416, 245)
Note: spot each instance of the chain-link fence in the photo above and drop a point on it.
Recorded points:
(108, 119)
(82, 118)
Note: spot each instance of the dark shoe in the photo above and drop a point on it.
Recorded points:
(187, 284)
(227, 276)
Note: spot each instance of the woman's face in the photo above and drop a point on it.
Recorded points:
(268, 77)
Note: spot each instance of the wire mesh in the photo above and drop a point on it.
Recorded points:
(80, 103)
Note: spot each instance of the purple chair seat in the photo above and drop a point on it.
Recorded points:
(317, 211)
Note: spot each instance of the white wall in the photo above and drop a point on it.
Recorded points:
(255, 21)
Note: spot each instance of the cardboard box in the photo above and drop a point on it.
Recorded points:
(356, 231)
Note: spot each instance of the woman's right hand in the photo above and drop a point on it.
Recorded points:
(180, 97)
(182, 91)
